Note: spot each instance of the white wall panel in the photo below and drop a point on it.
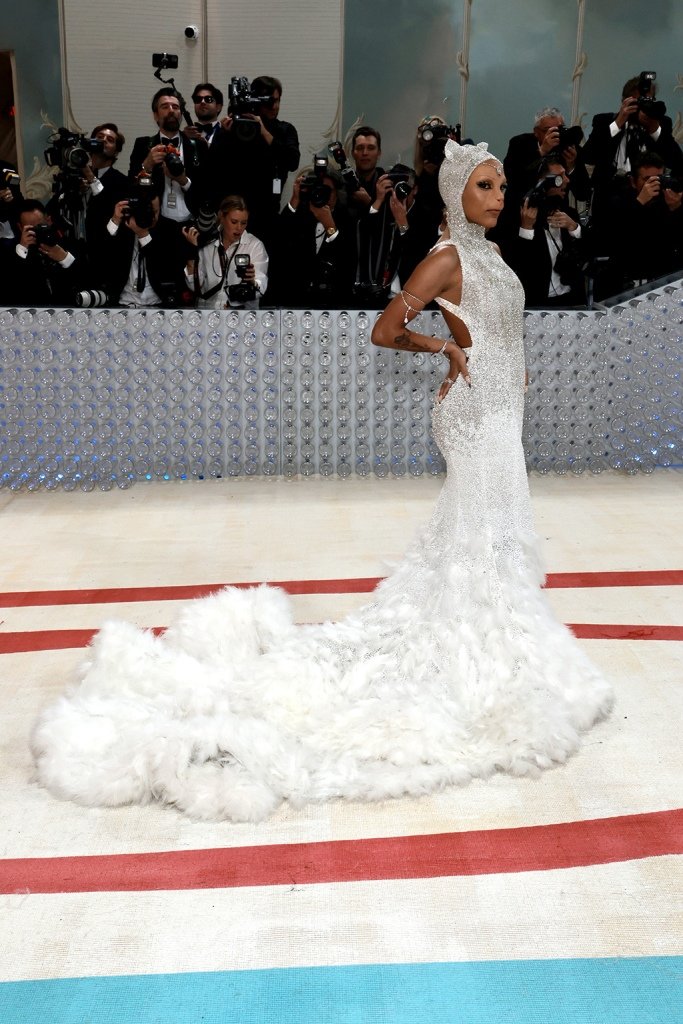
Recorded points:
(109, 48)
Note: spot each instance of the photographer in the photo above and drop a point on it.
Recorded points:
(314, 257)
(41, 271)
(254, 152)
(104, 182)
(231, 271)
(526, 153)
(103, 187)
(426, 212)
(208, 103)
(139, 255)
(618, 139)
(170, 159)
(549, 249)
(644, 225)
(372, 220)
(10, 200)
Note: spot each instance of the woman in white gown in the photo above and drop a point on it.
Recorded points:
(456, 669)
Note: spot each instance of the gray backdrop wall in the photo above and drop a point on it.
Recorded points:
(491, 65)
(487, 64)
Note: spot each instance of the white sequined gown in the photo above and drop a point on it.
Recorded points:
(456, 669)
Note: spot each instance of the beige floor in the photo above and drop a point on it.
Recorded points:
(229, 531)
(247, 529)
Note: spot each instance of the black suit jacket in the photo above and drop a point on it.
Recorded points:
(115, 187)
(112, 255)
(248, 169)
(522, 164)
(532, 261)
(601, 148)
(39, 281)
(192, 158)
(645, 241)
(307, 277)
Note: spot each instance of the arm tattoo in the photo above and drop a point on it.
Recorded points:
(403, 341)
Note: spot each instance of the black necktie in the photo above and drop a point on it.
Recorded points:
(172, 142)
(142, 277)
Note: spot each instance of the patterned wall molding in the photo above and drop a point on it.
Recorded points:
(463, 61)
(580, 64)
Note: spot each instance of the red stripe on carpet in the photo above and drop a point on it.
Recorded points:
(365, 585)
(49, 639)
(60, 639)
(113, 595)
(609, 631)
(495, 851)
(640, 578)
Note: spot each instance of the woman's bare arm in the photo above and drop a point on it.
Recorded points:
(439, 274)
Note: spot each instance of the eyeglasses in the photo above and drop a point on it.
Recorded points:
(205, 99)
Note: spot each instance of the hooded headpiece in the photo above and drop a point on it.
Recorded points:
(454, 173)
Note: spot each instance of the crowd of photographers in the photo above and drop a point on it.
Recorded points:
(198, 218)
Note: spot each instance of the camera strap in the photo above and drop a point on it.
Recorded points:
(225, 269)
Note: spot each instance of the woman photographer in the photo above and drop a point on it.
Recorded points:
(230, 271)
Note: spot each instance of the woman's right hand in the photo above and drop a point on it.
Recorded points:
(192, 235)
(457, 364)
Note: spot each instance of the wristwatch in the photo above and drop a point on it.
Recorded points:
(330, 231)
(402, 228)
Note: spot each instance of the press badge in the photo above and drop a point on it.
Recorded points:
(277, 186)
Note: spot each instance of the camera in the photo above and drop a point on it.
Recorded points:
(401, 183)
(349, 176)
(94, 297)
(140, 210)
(241, 101)
(71, 152)
(571, 136)
(569, 266)
(313, 191)
(11, 180)
(433, 136)
(206, 224)
(140, 203)
(164, 61)
(651, 107)
(245, 291)
(538, 197)
(670, 181)
(46, 234)
(174, 162)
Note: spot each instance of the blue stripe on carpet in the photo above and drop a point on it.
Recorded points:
(609, 991)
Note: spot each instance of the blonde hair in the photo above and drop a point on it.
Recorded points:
(233, 203)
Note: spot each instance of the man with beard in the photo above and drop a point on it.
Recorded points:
(208, 103)
(169, 158)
